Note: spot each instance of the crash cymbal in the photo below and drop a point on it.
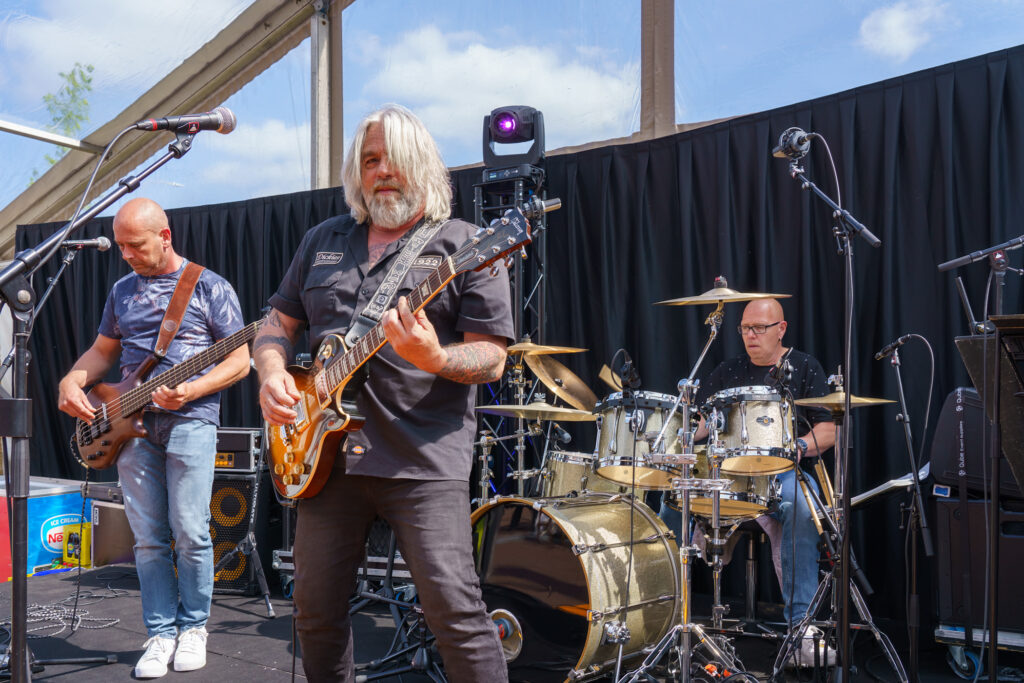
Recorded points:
(531, 349)
(836, 401)
(720, 293)
(561, 380)
(539, 411)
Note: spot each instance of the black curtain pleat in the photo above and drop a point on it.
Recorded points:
(931, 162)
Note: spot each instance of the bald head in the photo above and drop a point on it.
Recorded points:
(143, 213)
(766, 308)
(143, 234)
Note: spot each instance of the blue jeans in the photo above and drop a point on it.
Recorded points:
(167, 479)
(799, 562)
(796, 522)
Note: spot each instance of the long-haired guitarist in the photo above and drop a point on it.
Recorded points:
(410, 462)
(167, 477)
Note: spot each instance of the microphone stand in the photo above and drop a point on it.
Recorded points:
(916, 520)
(845, 225)
(16, 412)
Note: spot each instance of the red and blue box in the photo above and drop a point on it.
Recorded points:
(52, 504)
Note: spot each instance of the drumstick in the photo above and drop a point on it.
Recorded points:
(610, 378)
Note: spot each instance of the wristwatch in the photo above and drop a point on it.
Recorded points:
(802, 445)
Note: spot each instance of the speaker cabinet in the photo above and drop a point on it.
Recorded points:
(961, 563)
(231, 505)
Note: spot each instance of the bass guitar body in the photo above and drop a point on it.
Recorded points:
(99, 444)
(301, 455)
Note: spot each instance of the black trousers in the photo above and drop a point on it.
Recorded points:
(431, 524)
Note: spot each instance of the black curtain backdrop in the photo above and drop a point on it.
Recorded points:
(930, 162)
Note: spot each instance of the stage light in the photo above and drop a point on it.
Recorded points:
(513, 124)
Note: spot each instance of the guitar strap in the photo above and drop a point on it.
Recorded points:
(382, 298)
(176, 308)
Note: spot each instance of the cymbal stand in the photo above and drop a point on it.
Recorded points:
(486, 443)
(679, 636)
(825, 524)
(519, 382)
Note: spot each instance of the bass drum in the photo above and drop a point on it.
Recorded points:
(562, 568)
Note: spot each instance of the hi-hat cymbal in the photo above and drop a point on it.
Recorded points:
(561, 380)
(720, 293)
(539, 411)
(531, 349)
(836, 401)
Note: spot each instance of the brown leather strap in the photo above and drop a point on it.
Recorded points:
(176, 309)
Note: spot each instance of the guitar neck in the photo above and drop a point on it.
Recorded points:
(139, 397)
(343, 366)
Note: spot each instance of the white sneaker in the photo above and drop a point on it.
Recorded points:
(803, 656)
(191, 654)
(153, 663)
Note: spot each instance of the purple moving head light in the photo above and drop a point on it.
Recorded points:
(506, 125)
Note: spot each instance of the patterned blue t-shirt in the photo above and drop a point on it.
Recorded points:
(135, 307)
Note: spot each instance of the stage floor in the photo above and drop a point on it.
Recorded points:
(245, 645)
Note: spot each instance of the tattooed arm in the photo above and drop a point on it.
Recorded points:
(271, 351)
(478, 358)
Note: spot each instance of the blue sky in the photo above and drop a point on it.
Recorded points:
(453, 61)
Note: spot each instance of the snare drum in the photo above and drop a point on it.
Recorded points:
(748, 497)
(626, 428)
(568, 471)
(565, 569)
(758, 437)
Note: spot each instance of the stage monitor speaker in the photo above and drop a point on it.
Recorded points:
(961, 563)
(230, 507)
(962, 439)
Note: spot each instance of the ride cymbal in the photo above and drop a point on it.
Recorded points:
(562, 381)
(720, 293)
(539, 411)
(836, 401)
(531, 349)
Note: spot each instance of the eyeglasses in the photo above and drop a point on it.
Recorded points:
(756, 329)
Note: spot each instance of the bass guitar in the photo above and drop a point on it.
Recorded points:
(119, 406)
(301, 455)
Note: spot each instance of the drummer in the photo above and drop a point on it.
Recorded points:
(762, 328)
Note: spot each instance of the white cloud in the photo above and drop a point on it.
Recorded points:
(256, 161)
(453, 80)
(898, 31)
(132, 44)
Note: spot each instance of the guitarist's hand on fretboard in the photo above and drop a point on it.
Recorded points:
(413, 338)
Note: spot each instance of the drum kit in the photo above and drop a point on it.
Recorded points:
(588, 581)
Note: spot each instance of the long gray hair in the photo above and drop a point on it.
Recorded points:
(411, 150)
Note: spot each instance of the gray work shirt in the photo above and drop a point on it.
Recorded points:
(418, 425)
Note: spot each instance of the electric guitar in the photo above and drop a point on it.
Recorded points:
(301, 455)
(119, 406)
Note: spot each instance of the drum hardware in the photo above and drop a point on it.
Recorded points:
(509, 631)
(486, 444)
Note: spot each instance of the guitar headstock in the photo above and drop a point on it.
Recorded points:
(502, 237)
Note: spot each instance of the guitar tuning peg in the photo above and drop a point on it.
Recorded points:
(494, 270)
(508, 261)
(522, 252)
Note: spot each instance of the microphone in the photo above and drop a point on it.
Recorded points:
(100, 243)
(220, 119)
(793, 143)
(537, 207)
(628, 373)
(560, 434)
(887, 350)
(782, 371)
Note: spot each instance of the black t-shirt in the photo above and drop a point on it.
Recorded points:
(808, 381)
(418, 425)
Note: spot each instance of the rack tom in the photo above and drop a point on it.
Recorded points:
(569, 471)
(627, 426)
(758, 434)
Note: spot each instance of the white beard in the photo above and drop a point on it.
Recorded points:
(389, 212)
